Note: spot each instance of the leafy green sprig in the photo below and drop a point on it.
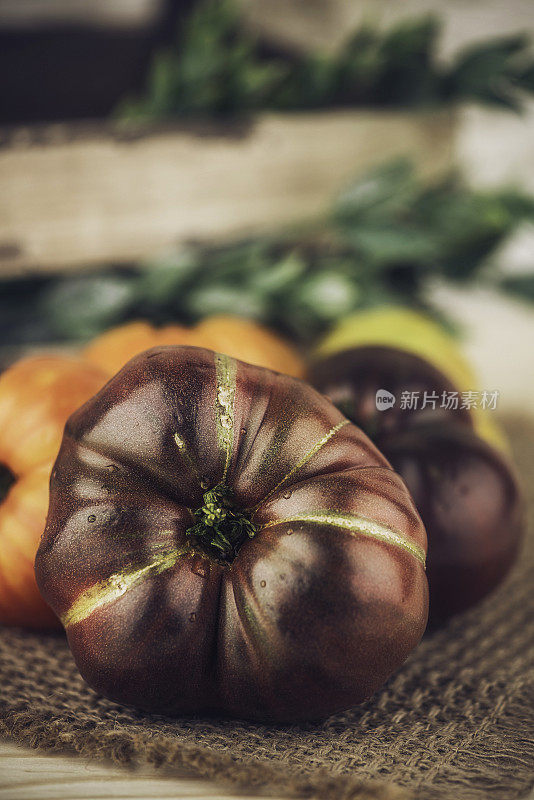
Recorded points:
(387, 239)
(217, 68)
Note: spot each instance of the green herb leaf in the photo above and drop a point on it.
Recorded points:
(82, 307)
(218, 68)
(520, 286)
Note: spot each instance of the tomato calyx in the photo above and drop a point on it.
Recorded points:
(7, 479)
(221, 528)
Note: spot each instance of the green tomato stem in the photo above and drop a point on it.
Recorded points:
(220, 529)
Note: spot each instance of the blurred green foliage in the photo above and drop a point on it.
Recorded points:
(218, 68)
(388, 238)
(520, 286)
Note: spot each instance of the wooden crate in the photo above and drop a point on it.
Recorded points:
(75, 195)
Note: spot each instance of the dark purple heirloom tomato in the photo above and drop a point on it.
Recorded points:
(351, 379)
(469, 501)
(463, 488)
(221, 538)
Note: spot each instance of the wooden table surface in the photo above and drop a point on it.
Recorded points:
(27, 774)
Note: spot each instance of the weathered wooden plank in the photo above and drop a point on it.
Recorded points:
(32, 775)
(68, 199)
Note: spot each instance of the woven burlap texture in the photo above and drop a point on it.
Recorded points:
(455, 722)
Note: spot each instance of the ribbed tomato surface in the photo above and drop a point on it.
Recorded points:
(222, 539)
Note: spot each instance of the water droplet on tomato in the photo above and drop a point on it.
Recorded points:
(290, 531)
(204, 483)
(286, 495)
(192, 617)
(243, 431)
(224, 396)
(91, 518)
(263, 583)
(226, 422)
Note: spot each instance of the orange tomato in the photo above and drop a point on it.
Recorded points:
(113, 348)
(237, 337)
(37, 395)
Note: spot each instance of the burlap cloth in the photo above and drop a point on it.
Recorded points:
(456, 721)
